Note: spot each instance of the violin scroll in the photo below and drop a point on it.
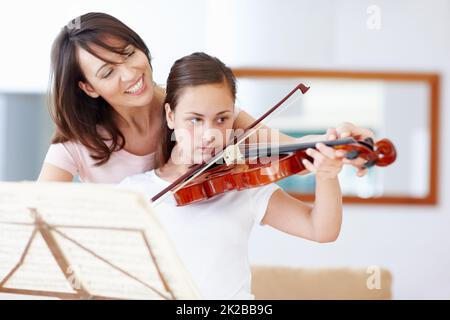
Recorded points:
(382, 153)
(386, 152)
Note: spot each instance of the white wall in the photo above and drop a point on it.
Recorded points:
(412, 242)
(28, 28)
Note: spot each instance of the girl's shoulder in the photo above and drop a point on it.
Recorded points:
(143, 182)
(145, 177)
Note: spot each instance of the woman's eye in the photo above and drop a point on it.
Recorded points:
(108, 73)
(131, 53)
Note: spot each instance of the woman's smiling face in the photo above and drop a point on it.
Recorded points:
(128, 82)
(202, 120)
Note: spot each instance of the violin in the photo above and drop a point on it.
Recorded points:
(287, 162)
(262, 165)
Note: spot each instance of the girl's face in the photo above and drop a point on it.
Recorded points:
(127, 84)
(202, 121)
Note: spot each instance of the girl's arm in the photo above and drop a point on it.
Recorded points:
(322, 222)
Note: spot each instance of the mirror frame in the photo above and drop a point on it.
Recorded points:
(433, 81)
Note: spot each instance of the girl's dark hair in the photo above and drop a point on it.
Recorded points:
(193, 70)
(76, 115)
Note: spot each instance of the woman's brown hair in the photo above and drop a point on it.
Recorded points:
(77, 115)
(193, 70)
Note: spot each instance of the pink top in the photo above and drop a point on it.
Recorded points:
(74, 158)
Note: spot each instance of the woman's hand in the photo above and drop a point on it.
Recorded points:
(327, 161)
(345, 130)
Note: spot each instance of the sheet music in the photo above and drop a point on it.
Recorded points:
(88, 240)
(40, 271)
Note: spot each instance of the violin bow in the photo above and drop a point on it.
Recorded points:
(198, 169)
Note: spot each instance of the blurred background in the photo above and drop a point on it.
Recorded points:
(411, 36)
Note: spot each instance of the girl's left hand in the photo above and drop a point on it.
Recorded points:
(327, 161)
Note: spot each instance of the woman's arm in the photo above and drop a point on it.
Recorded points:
(52, 173)
(59, 163)
(322, 222)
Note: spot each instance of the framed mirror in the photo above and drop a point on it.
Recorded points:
(403, 107)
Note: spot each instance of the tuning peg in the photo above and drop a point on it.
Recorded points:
(369, 141)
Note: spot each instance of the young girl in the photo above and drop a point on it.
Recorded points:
(211, 237)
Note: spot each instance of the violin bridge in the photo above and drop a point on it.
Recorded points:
(232, 154)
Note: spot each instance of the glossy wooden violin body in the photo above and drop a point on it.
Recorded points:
(267, 165)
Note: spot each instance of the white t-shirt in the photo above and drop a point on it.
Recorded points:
(211, 237)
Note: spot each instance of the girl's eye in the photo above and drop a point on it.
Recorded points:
(222, 120)
(131, 53)
(195, 120)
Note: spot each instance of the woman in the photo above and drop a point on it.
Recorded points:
(211, 237)
(107, 108)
